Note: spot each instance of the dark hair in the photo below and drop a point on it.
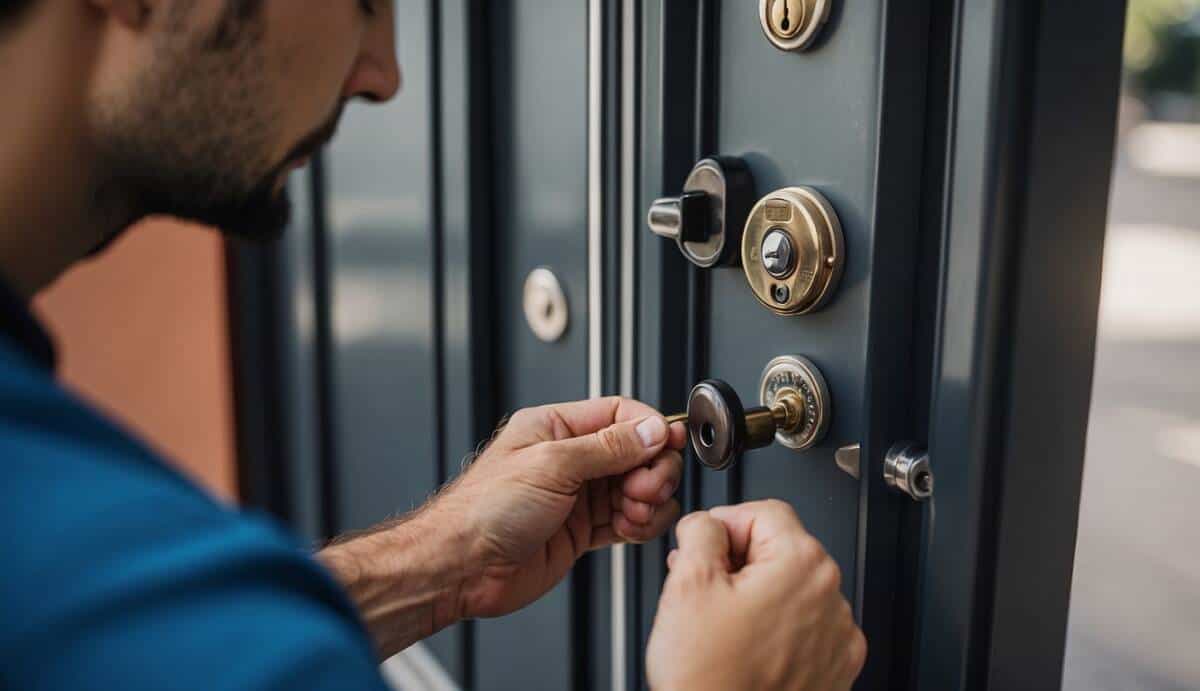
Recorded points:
(9, 9)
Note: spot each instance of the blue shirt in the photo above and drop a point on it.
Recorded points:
(117, 573)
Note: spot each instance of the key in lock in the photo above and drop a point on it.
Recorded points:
(795, 411)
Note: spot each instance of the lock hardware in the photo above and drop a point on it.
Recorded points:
(545, 305)
(906, 470)
(792, 250)
(795, 411)
(707, 218)
(793, 24)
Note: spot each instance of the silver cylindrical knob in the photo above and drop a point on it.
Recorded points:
(906, 469)
(684, 218)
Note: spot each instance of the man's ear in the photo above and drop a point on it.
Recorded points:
(132, 13)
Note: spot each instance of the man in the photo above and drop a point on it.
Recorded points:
(119, 574)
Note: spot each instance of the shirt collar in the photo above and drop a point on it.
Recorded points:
(21, 328)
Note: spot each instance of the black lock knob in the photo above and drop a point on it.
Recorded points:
(721, 428)
(706, 220)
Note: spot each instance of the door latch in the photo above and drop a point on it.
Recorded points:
(706, 219)
(906, 469)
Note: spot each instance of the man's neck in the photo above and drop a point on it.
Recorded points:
(48, 213)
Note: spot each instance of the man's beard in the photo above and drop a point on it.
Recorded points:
(192, 138)
(259, 212)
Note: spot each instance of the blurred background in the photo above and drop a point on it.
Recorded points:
(1135, 607)
(143, 332)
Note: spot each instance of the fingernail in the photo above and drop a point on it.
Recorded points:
(652, 430)
(666, 491)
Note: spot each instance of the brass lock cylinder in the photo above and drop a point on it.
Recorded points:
(792, 250)
(793, 24)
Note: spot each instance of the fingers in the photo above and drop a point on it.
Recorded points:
(624, 530)
(703, 541)
(757, 529)
(612, 450)
(664, 516)
(656, 482)
(577, 418)
(678, 436)
(637, 511)
(560, 421)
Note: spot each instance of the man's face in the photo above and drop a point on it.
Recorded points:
(203, 111)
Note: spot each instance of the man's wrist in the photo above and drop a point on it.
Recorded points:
(405, 577)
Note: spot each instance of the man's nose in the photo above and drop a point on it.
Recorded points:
(375, 78)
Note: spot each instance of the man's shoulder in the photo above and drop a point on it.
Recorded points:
(122, 567)
(81, 495)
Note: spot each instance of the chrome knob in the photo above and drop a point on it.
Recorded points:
(707, 218)
(906, 469)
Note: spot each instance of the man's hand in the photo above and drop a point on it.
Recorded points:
(752, 602)
(556, 482)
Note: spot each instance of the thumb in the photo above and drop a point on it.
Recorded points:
(703, 542)
(613, 450)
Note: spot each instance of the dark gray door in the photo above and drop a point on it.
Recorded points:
(965, 150)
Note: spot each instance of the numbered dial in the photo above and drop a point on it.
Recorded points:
(792, 250)
(789, 376)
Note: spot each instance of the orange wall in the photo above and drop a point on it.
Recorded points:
(142, 332)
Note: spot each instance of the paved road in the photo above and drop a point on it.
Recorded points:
(1135, 613)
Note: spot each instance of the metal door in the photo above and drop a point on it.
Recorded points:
(965, 148)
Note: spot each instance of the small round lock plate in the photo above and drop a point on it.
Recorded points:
(797, 374)
(792, 24)
(545, 305)
(817, 253)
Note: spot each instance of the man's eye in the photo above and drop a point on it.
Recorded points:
(368, 7)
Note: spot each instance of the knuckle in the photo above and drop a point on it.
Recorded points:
(856, 651)
(777, 508)
(827, 579)
(522, 418)
(806, 551)
(611, 442)
(690, 521)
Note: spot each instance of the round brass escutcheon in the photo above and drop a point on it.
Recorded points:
(796, 380)
(792, 24)
(816, 252)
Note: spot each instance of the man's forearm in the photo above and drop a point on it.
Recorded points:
(405, 578)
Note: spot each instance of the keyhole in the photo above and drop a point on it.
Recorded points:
(786, 23)
(548, 309)
(708, 434)
(924, 482)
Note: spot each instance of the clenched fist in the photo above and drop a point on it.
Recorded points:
(752, 602)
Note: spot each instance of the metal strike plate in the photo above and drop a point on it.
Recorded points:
(792, 250)
(798, 375)
(793, 24)
(706, 220)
